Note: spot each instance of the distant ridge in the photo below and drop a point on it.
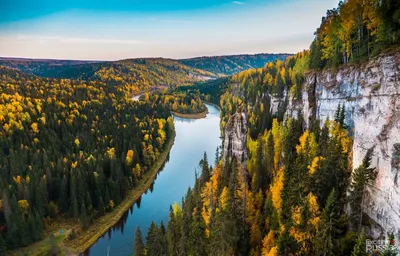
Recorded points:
(219, 65)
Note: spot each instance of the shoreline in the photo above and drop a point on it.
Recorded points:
(84, 239)
(191, 116)
(213, 104)
(109, 220)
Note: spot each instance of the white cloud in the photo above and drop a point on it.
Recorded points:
(237, 2)
(74, 40)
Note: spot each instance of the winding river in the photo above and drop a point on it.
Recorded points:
(193, 137)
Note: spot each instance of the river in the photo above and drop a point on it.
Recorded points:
(193, 137)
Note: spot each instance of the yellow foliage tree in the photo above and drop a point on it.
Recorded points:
(276, 190)
(24, 206)
(34, 127)
(129, 157)
(77, 143)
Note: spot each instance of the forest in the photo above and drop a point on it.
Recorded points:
(355, 31)
(65, 152)
(297, 193)
(229, 65)
(73, 143)
(181, 102)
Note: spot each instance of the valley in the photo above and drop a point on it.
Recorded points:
(268, 154)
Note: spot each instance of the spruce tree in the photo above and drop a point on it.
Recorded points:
(360, 246)
(205, 170)
(83, 217)
(138, 245)
(326, 231)
(361, 177)
(259, 178)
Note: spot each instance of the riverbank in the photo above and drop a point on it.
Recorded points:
(191, 116)
(84, 239)
(212, 104)
(103, 224)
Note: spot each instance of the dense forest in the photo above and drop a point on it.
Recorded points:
(297, 193)
(135, 74)
(64, 129)
(183, 102)
(229, 65)
(70, 148)
(355, 31)
(140, 74)
(287, 200)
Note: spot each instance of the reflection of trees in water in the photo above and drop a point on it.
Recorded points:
(137, 203)
(183, 120)
(119, 226)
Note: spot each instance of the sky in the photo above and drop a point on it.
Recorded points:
(120, 29)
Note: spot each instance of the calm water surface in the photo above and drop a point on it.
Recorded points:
(193, 137)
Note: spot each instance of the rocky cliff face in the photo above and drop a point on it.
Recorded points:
(371, 96)
(235, 137)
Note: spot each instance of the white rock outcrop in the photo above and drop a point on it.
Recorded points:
(235, 137)
(371, 96)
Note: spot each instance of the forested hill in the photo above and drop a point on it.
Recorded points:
(138, 74)
(231, 64)
(64, 152)
(142, 72)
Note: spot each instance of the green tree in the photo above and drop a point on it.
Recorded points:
(360, 247)
(361, 177)
(327, 230)
(83, 217)
(138, 245)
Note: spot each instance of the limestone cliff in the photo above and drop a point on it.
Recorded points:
(235, 137)
(371, 96)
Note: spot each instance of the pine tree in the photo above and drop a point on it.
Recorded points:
(73, 198)
(326, 232)
(205, 171)
(361, 177)
(174, 229)
(138, 245)
(197, 239)
(151, 240)
(83, 217)
(101, 206)
(360, 247)
(259, 177)
(162, 240)
(224, 234)
(217, 156)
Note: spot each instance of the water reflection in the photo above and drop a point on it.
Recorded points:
(193, 137)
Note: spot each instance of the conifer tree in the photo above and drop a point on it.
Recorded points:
(138, 245)
(361, 177)
(83, 217)
(360, 246)
(205, 171)
(326, 232)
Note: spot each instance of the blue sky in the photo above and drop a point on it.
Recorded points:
(118, 29)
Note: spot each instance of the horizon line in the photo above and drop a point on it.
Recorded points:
(138, 58)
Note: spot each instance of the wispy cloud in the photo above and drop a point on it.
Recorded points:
(73, 40)
(237, 2)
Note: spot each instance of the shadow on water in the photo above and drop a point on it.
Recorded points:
(193, 137)
(119, 226)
